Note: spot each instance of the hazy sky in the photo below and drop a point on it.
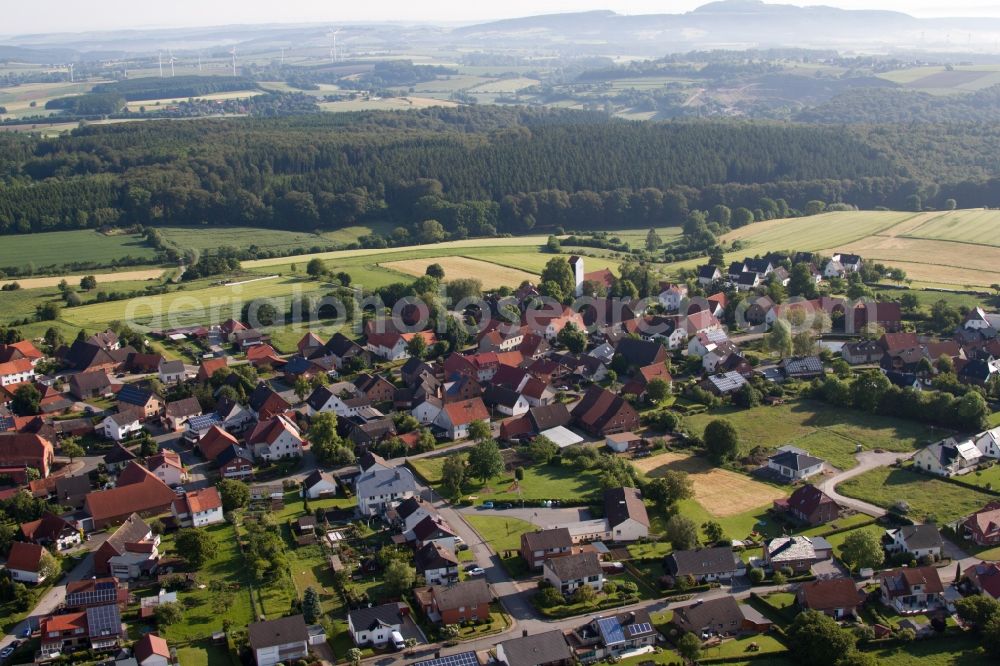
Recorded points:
(71, 15)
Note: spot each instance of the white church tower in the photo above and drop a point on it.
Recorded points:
(576, 263)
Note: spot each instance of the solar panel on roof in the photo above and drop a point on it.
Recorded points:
(611, 630)
(640, 628)
(106, 592)
(460, 659)
(104, 620)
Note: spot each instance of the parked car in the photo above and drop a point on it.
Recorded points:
(6, 652)
(487, 505)
(477, 571)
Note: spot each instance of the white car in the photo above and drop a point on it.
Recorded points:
(477, 571)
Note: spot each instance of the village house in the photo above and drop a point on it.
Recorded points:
(602, 412)
(343, 399)
(198, 508)
(391, 345)
(145, 401)
(274, 439)
(455, 418)
(214, 441)
(235, 462)
(319, 484)
(984, 578)
(24, 562)
(284, 640)
(374, 387)
(983, 527)
(625, 514)
(130, 552)
(123, 425)
(571, 571)
(839, 598)
(467, 601)
(723, 384)
(609, 636)
(136, 491)
(504, 400)
(541, 545)
(18, 371)
(97, 627)
(793, 464)
(799, 553)
(410, 512)
(178, 412)
(437, 564)
(545, 649)
(88, 385)
(51, 530)
(862, 352)
(915, 540)
(171, 372)
(95, 591)
(379, 489)
(809, 505)
(20, 450)
(722, 616)
(948, 458)
(911, 590)
(167, 467)
(266, 403)
(373, 626)
(705, 564)
(151, 650)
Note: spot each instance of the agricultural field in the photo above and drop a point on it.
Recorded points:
(102, 278)
(927, 496)
(207, 238)
(18, 99)
(954, 249)
(943, 80)
(977, 226)
(720, 492)
(819, 429)
(385, 104)
(212, 97)
(56, 248)
(503, 85)
(457, 268)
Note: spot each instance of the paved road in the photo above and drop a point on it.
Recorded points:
(867, 460)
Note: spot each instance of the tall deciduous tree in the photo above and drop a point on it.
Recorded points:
(485, 461)
(721, 440)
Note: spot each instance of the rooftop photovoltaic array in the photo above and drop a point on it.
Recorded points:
(611, 630)
(102, 593)
(641, 628)
(460, 659)
(104, 620)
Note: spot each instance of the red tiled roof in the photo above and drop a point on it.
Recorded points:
(24, 556)
(150, 645)
(215, 441)
(467, 411)
(15, 367)
(149, 494)
(66, 622)
(830, 594)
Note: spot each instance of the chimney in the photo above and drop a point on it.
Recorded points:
(524, 633)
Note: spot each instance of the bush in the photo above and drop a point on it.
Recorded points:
(549, 598)
(756, 575)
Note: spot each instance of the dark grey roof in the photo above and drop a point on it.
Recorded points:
(549, 416)
(369, 618)
(804, 365)
(702, 562)
(795, 460)
(132, 394)
(500, 395)
(291, 629)
(920, 536)
(707, 271)
(574, 567)
(558, 537)
(639, 352)
(433, 556)
(538, 649)
(467, 593)
(722, 614)
(621, 504)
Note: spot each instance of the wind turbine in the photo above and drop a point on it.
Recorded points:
(159, 57)
(70, 72)
(282, 55)
(333, 50)
(199, 62)
(172, 61)
(232, 52)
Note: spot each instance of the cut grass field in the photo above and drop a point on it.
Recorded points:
(823, 430)
(501, 533)
(722, 493)
(978, 226)
(102, 278)
(457, 268)
(59, 247)
(208, 238)
(212, 97)
(540, 482)
(927, 496)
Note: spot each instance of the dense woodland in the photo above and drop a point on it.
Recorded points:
(476, 170)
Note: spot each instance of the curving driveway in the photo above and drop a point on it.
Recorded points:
(867, 461)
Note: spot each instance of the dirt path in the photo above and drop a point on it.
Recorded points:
(74, 280)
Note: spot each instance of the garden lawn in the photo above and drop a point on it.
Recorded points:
(798, 423)
(926, 495)
(203, 653)
(738, 526)
(740, 647)
(962, 650)
(837, 540)
(541, 482)
(988, 478)
(501, 533)
(843, 523)
(200, 620)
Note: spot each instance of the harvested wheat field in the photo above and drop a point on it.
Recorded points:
(720, 492)
(457, 268)
(102, 278)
